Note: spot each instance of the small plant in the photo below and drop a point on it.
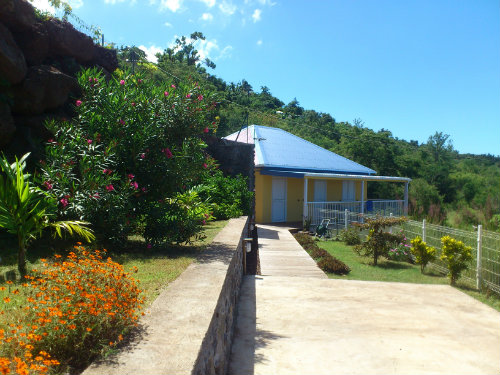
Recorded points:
(73, 309)
(423, 253)
(401, 252)
(25, 210)
(457, 257)
(350, 236)
(307, 224)
(333, 265)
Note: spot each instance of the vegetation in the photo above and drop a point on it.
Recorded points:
(378, 242)
(25, 210)
(457, 257)
(350, 236)
(423, 253)
(325, 260)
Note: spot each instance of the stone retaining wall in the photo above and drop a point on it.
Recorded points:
(189, 328)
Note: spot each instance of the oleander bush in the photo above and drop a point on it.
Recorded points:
(66, 313)
(350, 236)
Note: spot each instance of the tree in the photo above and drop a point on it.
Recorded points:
(25, 210)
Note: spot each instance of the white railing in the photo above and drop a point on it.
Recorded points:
(336, 211)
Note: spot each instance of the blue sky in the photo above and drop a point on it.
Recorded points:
(412, 67)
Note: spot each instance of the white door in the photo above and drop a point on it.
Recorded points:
(319, 191)
(278, 207)
(348, 191)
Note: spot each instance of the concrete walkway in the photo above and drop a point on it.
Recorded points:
(291, 322)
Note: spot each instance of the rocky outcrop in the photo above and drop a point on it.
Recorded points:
(38, 62)
(45, 88)
(12, 63)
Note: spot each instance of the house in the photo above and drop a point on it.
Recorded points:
(297, 180)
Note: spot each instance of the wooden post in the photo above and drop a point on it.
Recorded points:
(405, 210)
(305, 213)
(479, 277)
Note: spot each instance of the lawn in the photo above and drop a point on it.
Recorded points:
(386, 270)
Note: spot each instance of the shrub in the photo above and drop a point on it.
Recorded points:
(401, 252)
(132, 143)
(73, 308)
(378, 242)
(423, 253)
(350, 236)
(457, 257)
(333, 265)
(318, 252)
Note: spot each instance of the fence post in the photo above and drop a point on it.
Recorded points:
(390, 228)
(479, 277)
(423, 231)
(346, 220)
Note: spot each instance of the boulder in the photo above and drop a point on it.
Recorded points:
(7, 127)
(18, 15)
(34, 43)
(36, 124)
(106, 58)
(44, 88)
(12, 64)
(65, 41)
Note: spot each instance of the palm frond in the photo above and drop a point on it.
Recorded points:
(73, 227)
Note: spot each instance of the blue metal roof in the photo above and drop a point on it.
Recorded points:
(278, 150)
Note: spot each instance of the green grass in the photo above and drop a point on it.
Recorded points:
(156, 267)
(362, 269)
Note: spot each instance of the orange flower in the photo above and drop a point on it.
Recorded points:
(6, 299)
(88, 329)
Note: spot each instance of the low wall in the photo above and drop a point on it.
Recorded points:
(189, 327)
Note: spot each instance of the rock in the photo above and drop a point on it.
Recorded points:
(65, 41)
(36, 124)
(18, 15)
(106, 58)
(34, 43)
(7, 127)
(12, 63)
(44, 88)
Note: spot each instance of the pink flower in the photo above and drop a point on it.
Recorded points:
(122, 122)
(143, 155)
(205, 165)
(91, 79)
(132, 104)
(107, 171)
(165, 93)
(110, 187)
(135, 185)
(122, 82)
(51, 141)
(200, 98)
(47, 184)
(64, 202)
(143, 189)
(89, 141)
(204, 222)
(139, 80)
(188, 96)
(130, 176)
(205, 130)
(173, 86)
(149, 246)
(167, 152)
(78, 103)
(96, 196)
(96, 80)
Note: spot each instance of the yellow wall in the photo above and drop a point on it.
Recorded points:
(263, 196)
(295, 196)
(294, 199)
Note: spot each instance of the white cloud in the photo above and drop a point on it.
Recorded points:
(151, 51)
(44, 6)
(172, 5)
(207, 17)
(227, 8)
(259, 42)
(256, 15)
(225, 53)
(168, 24)
(208, 3)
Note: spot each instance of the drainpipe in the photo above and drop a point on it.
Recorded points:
(304, 212)
(406, 199)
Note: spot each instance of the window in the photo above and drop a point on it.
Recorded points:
(348, 191)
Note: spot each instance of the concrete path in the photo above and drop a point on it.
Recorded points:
(304, 324)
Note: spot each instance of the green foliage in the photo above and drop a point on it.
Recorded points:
(25, 210)
(457, 257)
(401, 252)
(133, 144)
(350, 236)
(378, 242)
(229, 196)
(423, 253)
(324, 259)
(177, 219)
